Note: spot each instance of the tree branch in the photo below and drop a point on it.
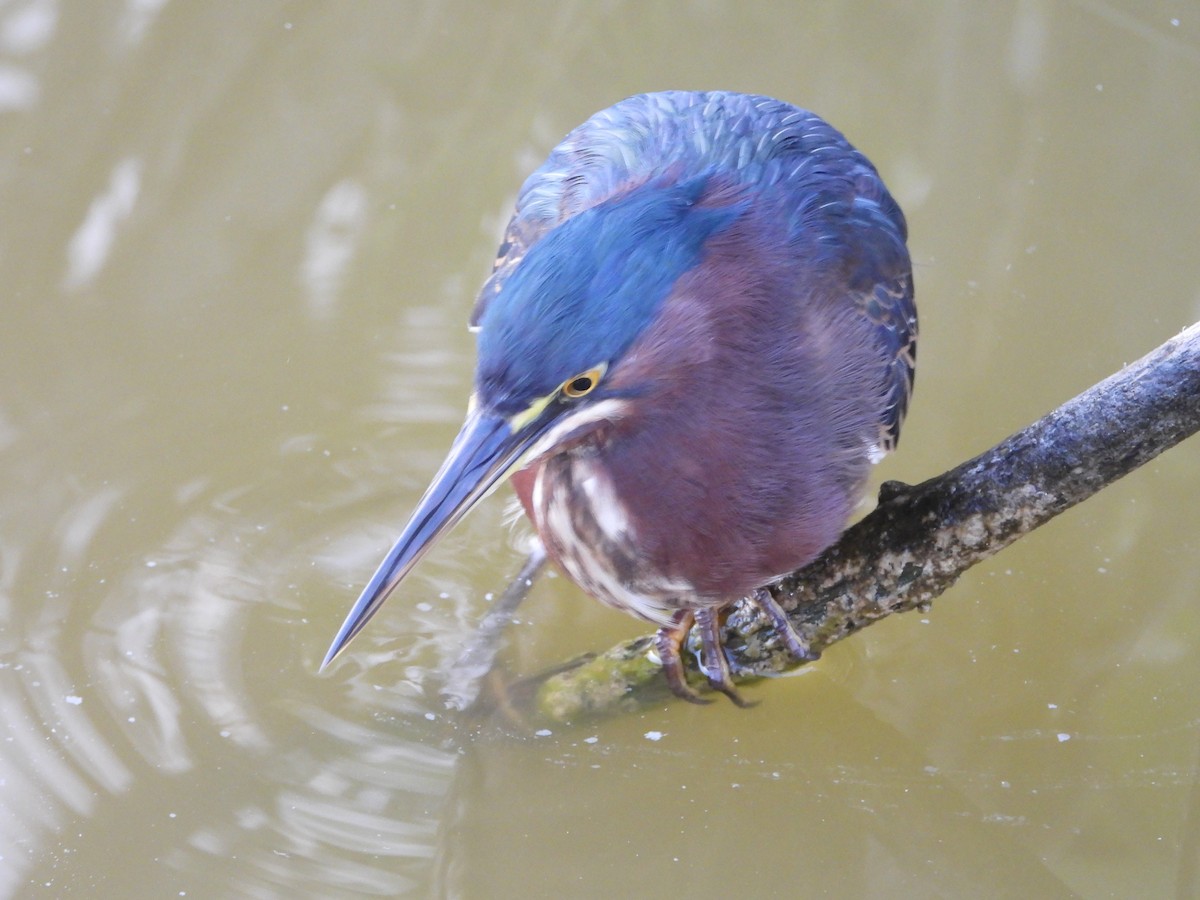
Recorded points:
(921, 538)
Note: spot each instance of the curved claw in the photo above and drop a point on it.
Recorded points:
(713, 662)
(668, 641)
(796, 645)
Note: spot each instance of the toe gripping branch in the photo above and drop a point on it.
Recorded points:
(713, 662)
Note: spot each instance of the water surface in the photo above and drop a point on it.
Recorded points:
(239, 247)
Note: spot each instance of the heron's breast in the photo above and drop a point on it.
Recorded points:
(588, 531)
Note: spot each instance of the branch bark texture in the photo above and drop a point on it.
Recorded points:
(921, 538)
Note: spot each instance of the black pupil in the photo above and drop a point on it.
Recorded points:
(581, 385)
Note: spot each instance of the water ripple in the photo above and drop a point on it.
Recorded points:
(147, 685)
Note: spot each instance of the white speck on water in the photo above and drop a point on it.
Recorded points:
(1099, 87)
(1174, 23)
(150, 564)
(591, 740)
(1063, 737)
(654, 735)
(543, 732)
(73, 700)
(424, 606)
(444, 596)
(430, 716)
(1051, 706)
(1102, 570)
(1003, 819)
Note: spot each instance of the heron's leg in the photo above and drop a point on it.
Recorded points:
(668, 641)
(713, 662)
(796, 645)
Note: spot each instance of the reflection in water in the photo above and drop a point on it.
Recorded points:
(331, 243)
(270, 220)
(92, 243)
(137, 17)
(165, 657)
(24, 29)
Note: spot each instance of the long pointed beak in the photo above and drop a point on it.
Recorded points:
(484, 452)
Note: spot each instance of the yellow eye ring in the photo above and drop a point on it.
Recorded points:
(583, 383)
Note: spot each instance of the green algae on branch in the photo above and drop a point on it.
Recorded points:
(921, 538)
(600, 684)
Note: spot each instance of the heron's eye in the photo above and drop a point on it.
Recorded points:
(582, 384)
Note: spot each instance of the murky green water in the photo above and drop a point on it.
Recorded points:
(239, 244)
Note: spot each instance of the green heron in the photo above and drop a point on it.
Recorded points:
(698, 335)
